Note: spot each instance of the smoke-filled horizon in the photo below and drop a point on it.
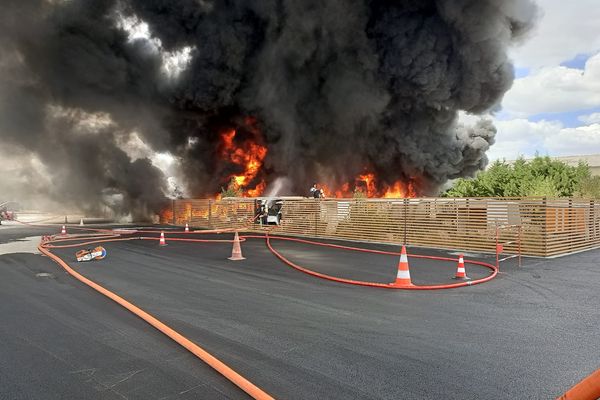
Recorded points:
(334, 89)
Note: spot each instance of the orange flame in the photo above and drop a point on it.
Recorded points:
(400, 190)
(342, 192)
(258, 190)
(166, 215)
(249, 154)
(368, 184)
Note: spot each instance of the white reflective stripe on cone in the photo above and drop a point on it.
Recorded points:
(403, 258)
(403, 274)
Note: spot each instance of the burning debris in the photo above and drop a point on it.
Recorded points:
(354, 94)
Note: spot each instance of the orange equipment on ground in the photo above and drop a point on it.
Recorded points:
(98, 253)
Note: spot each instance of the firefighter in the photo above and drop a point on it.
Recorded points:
(315, 192)
(260, 212)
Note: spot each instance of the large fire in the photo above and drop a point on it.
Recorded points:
(247, 154)
(367, 185)
(244, 150)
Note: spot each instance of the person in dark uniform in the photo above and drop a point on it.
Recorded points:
(316, 193)
(260, 212)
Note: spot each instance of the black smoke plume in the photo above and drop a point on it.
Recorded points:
(336, 88)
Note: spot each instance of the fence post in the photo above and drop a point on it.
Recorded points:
(519, 239)
(405, 221)
(497, 247)
(545, 224)
(592, 220)
(316, 216)
(456, 216)
(173, 209)
(209, 214)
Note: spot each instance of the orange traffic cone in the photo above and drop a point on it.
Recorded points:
(403, 275)
(162, 242)
(236, 252)
(63, 231)
(187, 228)
(460, 270)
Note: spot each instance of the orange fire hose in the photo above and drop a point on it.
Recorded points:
(104, 236)
(373, 284)
(587, 389)
(244, 384)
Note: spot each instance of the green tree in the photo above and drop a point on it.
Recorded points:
(542, 187)
(541, 176)
(589, 187)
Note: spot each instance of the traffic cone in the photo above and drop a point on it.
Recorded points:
(162, 242)
(81, 222)
(63, 231)
(403, 275)
(460, 270)
(187, 228)
(236, 252)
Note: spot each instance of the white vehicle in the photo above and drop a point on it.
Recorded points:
(268, 211)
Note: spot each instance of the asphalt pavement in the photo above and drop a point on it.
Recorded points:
(528, 334)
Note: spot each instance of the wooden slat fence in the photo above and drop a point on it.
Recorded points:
(548, 227)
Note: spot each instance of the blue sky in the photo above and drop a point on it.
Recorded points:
(554, 105)
(577, 62)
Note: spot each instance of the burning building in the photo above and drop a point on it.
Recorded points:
(274, 93)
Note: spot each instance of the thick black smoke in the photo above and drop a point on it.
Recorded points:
(337, 88)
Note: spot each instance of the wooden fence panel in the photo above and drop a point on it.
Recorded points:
(547, 227)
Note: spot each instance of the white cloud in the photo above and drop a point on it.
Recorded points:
(522, 137)
(556, 89)
(590, 118)
(572, 141)
(564, 30)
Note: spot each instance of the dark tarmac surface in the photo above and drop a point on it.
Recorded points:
(528, 334)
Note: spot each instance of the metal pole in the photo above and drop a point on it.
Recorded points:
(545, 225)
(405, 219)
(497, 255)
